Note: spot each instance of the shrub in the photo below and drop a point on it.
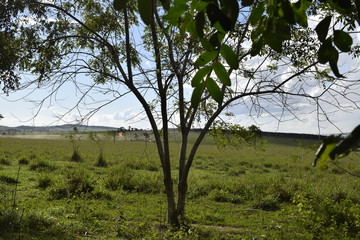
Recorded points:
(126, 179)
(75, 157)
(78, 184)
(42, 165)
(14, 224)
(101, 162)
(23, 161)
(268, 203)
(9, 180)
(220, 195)
(44, 181)
(4, 161)
(320, 216)
(119, 178)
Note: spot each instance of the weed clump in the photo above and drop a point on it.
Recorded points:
(8, 180)
(134, 181)
(42, 165)
(78, 184)
(44, 182)
(76, 157)
(268, 203)
(220, 195)
(101, 162)
(16, 224)
(23, 161)
(4, 161)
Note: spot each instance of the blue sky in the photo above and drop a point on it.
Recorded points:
(22, 108)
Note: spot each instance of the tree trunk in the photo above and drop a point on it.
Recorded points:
(172, 213)
(182, 190)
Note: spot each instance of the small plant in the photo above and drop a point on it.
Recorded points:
(119, 178)
(78, 184)
(268, 203)
(4, 161)
(23, 161)
(101, 141)
(75, 140)
(8, 180)
(42, 165)
(220, 195)
(44, 181)
(322, 215)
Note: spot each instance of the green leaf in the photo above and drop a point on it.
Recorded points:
(215, 15)
(349, 143)
(196, 95)
(206, 44)
(327, 52)
(229, 56)
(342, 40)
(299, 9)
(322, 28)
(145, 10)
(214, 90)
(273, 41)
(323, 152)
(222, 74)
(231, 9)
(282, 29)
(199, 24)
(200, 74)
(216, 39)
(206, 57)
(119, 4)
(165, 4)
(257, 13)
(175, 12)
(257, 46)
(286, 11)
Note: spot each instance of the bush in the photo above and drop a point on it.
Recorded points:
(23, 161)
(42, 165)
(268, 203)
(16, 225)
(4, 161)
(78, 184)
(126, 179)
(44, 181)
(220, 195)
(9, 180)
(321, 216)
(101, 162)
(75, 157)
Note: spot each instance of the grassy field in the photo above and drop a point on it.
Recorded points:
(247, 193)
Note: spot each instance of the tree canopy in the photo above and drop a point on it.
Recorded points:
(188, 63)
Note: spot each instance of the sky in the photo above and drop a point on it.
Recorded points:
(22, 108)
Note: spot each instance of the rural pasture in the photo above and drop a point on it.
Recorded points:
(265, 192)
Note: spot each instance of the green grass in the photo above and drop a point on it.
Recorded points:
(264, 193)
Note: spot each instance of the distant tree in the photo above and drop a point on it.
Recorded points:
(260, 55)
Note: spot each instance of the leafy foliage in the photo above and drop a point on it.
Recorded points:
(334, 147)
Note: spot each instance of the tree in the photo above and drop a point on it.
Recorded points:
(259, 54)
